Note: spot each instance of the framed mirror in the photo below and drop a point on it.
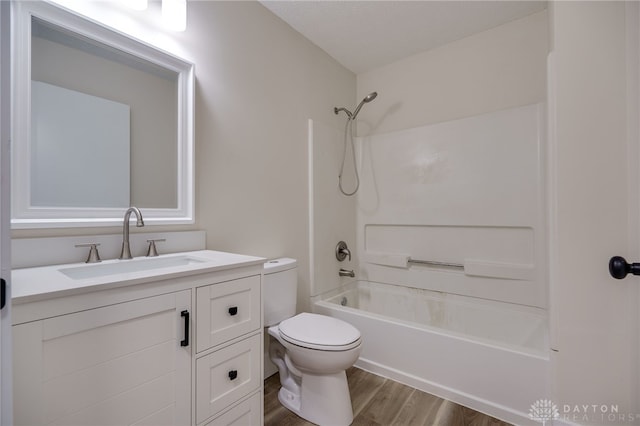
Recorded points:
(101, 122)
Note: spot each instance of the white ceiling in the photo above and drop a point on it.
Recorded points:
(363, 35)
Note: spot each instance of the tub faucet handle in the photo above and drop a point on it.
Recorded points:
(342, 251)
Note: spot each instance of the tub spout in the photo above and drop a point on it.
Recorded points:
(346, 273)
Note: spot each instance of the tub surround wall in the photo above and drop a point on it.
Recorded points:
(442, 187)
(466, 192)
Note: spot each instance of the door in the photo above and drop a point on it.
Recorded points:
(5, 265)
(594, 200)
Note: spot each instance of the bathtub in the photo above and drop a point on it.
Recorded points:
(489, 356)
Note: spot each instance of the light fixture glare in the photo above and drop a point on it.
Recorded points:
(136, 4)
(174, 14)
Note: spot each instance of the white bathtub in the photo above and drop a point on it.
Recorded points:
(490, 356)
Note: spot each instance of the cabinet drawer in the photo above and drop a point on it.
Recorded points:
(227, 310)
(227, 375)
(247, 413)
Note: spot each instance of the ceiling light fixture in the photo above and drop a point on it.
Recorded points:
(174, 14)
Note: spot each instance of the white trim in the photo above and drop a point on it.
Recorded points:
(6, 352)
(312, 252)
(26, 216)
(632, 13)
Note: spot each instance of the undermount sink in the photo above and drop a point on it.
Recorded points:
(129, 266)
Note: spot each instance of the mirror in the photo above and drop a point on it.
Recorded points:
(102, 122)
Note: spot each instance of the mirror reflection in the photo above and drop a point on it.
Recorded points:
(104, 125)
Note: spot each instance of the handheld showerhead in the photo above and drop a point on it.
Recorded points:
(348, 136)
(371, 96)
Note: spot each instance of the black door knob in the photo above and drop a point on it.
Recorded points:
(619, 268)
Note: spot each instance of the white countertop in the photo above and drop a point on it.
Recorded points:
(31, 284)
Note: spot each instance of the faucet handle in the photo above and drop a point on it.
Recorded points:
(94, 256)
(152, 252)
(342, 251)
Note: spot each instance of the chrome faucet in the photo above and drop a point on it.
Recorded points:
(126, 252)
(346, 273)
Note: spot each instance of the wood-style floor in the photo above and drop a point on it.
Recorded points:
(380, 401)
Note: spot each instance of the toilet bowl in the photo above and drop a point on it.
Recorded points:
(311, 352)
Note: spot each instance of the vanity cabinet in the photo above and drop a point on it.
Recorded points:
(184, 350)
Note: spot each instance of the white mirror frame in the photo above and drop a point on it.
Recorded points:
(26, 216)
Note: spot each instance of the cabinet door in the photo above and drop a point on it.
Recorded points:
(227, 310)
(115, 365)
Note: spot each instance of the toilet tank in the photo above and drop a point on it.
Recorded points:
(280, 288)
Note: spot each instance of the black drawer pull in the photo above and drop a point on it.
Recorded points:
(233, 374)
(233, 310)
(185, 315)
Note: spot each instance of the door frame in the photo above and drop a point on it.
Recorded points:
(6, 393)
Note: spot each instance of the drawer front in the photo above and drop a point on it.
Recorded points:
(247, 413)
(227, 375)
(227, 310)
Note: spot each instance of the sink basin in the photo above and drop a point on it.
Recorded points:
(129, 266)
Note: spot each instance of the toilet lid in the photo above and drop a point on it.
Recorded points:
(319, 332)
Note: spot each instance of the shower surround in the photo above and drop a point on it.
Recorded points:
(450, 210)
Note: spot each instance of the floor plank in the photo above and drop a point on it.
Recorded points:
(420, 409)
(362, 386)
(378, 401)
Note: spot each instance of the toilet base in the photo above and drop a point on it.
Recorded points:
(323, 399)
(289, 400)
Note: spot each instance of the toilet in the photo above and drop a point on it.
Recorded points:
(311, 351)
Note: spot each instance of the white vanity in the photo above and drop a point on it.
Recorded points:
(175, 339)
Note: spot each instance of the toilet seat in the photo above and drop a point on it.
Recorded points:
(319, 332)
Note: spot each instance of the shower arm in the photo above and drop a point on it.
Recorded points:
(337, 110)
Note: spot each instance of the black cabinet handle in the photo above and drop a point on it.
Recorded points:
(233, 310)
(619, 268)
(185, 315)
(233, 374)
(3, 292)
